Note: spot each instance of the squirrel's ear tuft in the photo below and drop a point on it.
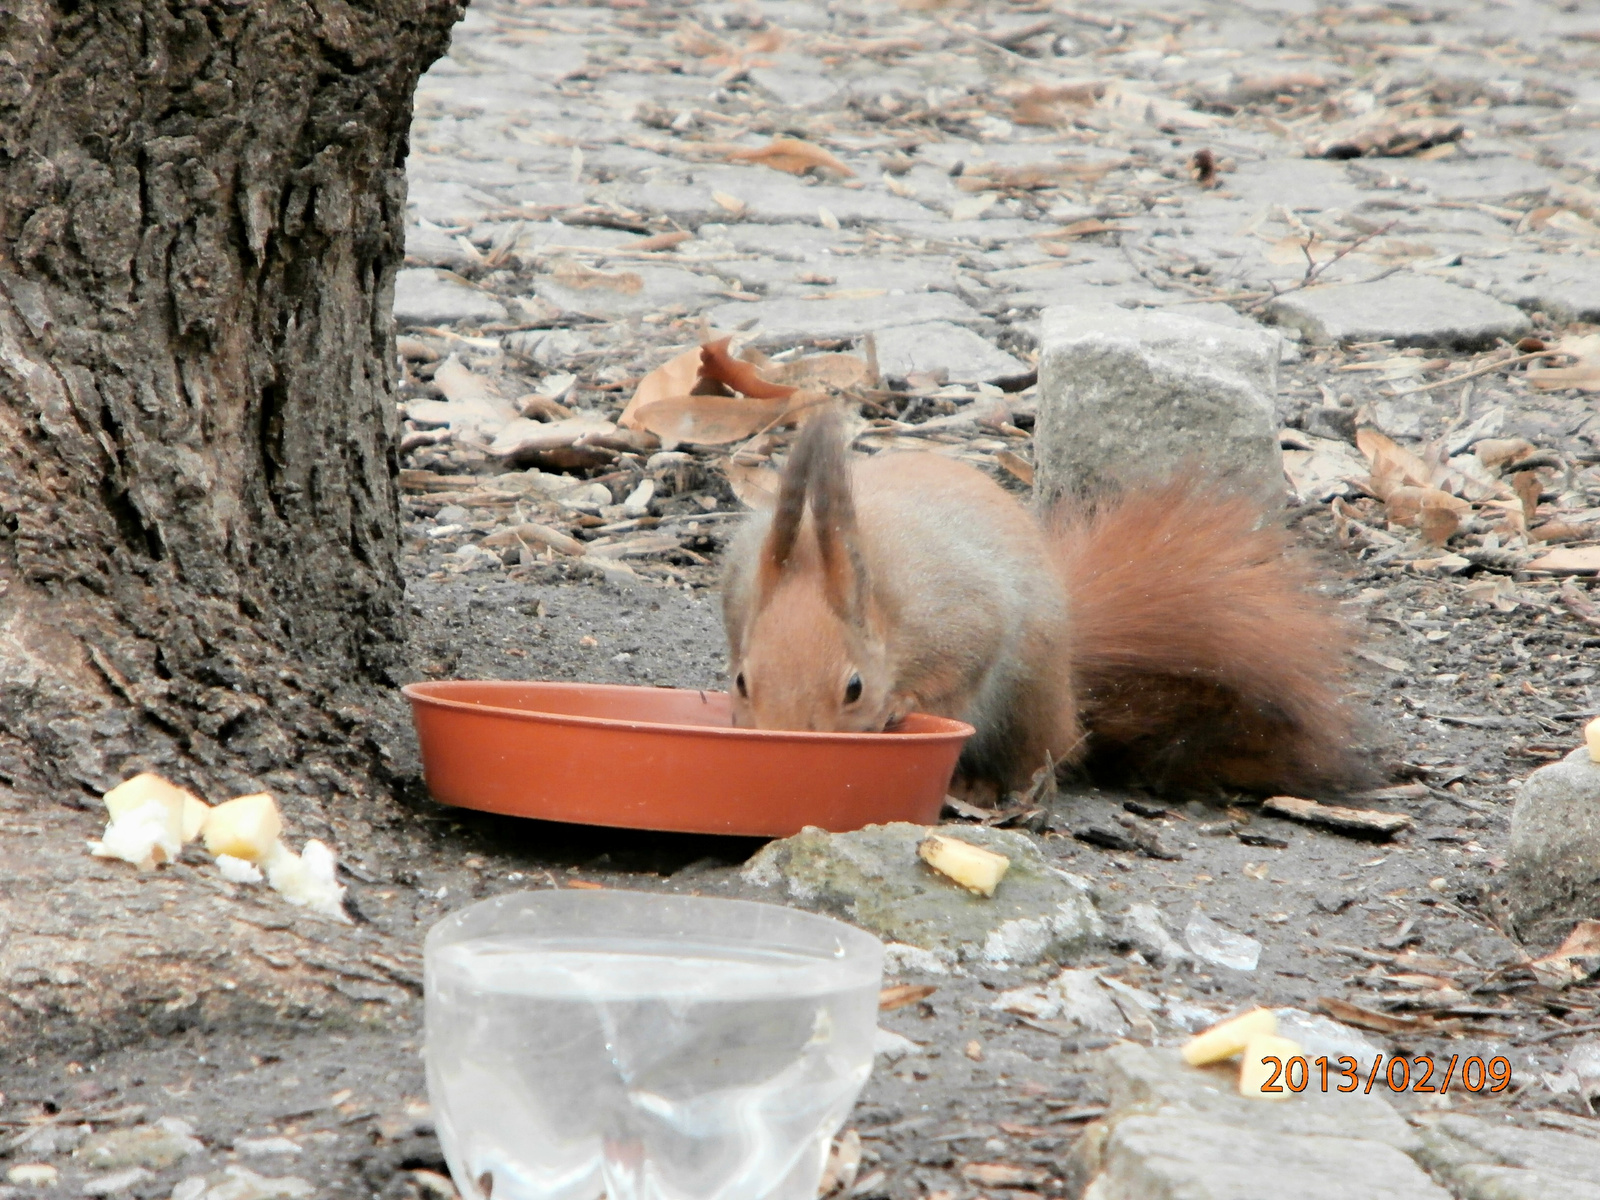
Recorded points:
(816, 468)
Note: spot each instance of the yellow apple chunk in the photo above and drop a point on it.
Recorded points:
(246, 827)
(145, 790)
(974, 868)
(1591, 734)
(1229, 1038)
(1254, 1072)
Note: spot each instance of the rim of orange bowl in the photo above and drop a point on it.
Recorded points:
(416, 692)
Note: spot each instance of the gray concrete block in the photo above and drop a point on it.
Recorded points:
(1457, 1142)
(1148, 1081)
(1553, 865)
(789, 320)
(1127, 397)
(1183, 1158)
(1412, 310)
(940, 346)
(422, 296)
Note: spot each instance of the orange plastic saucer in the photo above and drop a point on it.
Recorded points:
(659, 758)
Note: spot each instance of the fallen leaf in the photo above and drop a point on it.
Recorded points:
(1497, 452)
(754, 485)
(1392, 466)
(1379, 134)
(1568, 560)
(728, 203)
(791, 155)
(1003, 1175)
(1583, 374)
(1016, 465)
(902, 994)
(1407, 505)
(659, 241)
(1046, 104)
(717, 364)
(1083, 228)
(1371, 1018)
(676, 377)
(837, 371)
(581, 278)
(716, 420)
(525, 436)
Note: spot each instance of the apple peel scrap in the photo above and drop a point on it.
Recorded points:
(151, 819)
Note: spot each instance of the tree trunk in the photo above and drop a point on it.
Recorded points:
(201, 214)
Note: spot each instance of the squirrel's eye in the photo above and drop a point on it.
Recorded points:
(738, 682)
(852, 690)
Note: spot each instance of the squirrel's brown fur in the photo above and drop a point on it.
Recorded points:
(1167, 636)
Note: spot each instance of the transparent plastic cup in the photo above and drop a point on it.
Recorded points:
(641, 1046)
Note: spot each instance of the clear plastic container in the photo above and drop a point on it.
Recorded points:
(642, 1046)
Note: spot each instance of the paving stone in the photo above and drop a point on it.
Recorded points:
(428, 245)
(941, 346)
(1179, 1158)
(1494, 1160)
(1125, 395)
(624, 290)
(790, 82)
(1413, 310)
(422, 296)
(784, 321)
(874, 878)
(1157, 1081)
(1553, 863)
(1566, 289)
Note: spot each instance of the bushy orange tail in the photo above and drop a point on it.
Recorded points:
(1202, 655)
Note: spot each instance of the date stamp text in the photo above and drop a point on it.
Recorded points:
(1398, 1074)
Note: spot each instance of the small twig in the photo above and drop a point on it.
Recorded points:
(1476, 371)
(1561, 1033)
(1315, 270)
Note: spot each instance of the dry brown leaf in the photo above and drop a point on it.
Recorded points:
(581, 278)
(660, 241)
(718, 365)
(1407, 505)
(1018, 466)
(1557, 969)
(1370, 1018)
(1382, 135)
(716, 420)
(1568, 560)
(1583, 374)
(1044, 104)
(791, 155)
(1497, 452)
(676, 377)
(1080, 229)
(902, 994)
(1528, 488)
(1563, 531)
(1392, 466)
(837, 371)
(754, 484)
(1438, 525)
(1582, 942)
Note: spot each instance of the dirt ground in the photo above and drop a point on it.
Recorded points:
(1454, 731)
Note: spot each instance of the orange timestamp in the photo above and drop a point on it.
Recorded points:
(1297, 1074)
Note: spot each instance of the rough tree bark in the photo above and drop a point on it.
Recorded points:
(201, 214)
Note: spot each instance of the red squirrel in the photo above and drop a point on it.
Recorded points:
(1166, 637)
